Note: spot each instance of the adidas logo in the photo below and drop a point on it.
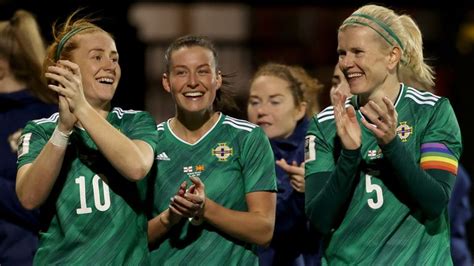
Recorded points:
(162, 157)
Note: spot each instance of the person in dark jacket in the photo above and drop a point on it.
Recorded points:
(281, 100)
(23, 97)
(459, 210)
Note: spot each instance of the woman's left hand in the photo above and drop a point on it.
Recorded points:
(296, 174)
(384, 124)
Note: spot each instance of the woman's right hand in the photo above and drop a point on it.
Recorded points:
(348, 128)
(68, 83)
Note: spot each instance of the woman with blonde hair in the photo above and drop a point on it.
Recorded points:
(381, 163)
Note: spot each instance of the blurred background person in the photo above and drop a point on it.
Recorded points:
(23, 97)
(460, 214)
(282, 98)
(338, 84)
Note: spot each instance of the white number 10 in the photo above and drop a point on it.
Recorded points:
(369, 187)
(81, 181)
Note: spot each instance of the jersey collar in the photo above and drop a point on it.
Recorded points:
(355, 100)
(201, 138)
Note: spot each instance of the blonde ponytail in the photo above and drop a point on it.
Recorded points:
(413, 70)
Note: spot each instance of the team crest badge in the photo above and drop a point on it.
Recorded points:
(222, 152)
(404, 131)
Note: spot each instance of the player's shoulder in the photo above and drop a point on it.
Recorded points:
(44, 125)
(422, 98)
(327, 114)
(121, 113)
(161, 128)
(47, 121)
(238, 125)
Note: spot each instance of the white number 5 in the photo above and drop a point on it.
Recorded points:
(369, 187)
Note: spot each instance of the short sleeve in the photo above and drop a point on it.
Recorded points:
(319, 155)
(143, 127)
(444, 128)
(258, 163)
(31, 142)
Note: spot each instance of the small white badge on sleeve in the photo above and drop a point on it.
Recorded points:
(24, 146)
(310, 148)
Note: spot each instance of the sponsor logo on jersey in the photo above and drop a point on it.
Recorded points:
(404, 131)
(194, 171)
(222, 152)
(163, 157)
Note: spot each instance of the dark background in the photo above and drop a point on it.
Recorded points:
(277, 34)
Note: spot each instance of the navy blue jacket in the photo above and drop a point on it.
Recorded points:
(293, 242)
(459, 215)
(18, 227)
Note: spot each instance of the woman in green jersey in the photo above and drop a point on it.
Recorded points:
(382, 163)
(82, 165)
(230, 206)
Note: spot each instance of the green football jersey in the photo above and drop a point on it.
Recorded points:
(378, 227)
(93, 215)
(234, 158)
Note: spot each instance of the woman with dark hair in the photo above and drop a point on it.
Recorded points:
(230, 205)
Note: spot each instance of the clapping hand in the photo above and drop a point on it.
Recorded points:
(383, 123)
(347, 126)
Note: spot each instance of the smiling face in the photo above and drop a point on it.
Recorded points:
(272, 106)
(97, 58)
(362, 58)
(192, 79)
